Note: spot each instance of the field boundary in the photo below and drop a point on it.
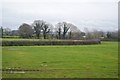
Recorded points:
(53, 42)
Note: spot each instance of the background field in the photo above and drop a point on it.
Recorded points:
(81, 61)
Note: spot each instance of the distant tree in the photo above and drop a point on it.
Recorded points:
(70, 34)
(118, 34)
(43, 27)
(114, 35)
(38, 24)
(89, 34)
(62, 29)
(74, 32)
(1, 32)
(82, 33)
(108, 35)
(76, 35)
(6, 32)
(25, 31)
(97, 34)
(65, 29)
(59, 33)
(46, 30)
(94, 34)
(14, 33)
(58, 29)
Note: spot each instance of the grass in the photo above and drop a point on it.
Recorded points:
(81, 61)
(20, 39)
(24, 39)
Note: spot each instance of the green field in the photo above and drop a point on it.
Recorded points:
(81, 61)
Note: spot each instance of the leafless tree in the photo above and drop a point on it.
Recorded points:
(38, 24)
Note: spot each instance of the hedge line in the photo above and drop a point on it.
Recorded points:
(60, 42)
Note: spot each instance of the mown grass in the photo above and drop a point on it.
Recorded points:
(20, 39)
(27, 39)
(81, 61)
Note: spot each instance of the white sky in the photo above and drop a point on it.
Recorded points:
(93, 14)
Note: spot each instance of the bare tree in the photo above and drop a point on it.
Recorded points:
(65, 29)
(58, 29)
(74, 32)
(113, 35)
(62, 29)
(46, 30)
(38, 24)
(59, 33)
(97, 34)
(43, 27)
(88, 33)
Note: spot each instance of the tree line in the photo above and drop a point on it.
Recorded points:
(41, 29)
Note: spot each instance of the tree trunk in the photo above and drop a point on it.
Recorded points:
(44, 35)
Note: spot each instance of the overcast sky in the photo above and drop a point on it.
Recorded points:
(92, 14)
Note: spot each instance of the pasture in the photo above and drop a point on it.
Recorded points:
(80, 61)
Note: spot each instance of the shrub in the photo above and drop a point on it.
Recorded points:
(53, 42)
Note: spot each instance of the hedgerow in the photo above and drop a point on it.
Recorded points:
(53, 42)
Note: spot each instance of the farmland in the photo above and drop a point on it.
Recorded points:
(80, 61)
